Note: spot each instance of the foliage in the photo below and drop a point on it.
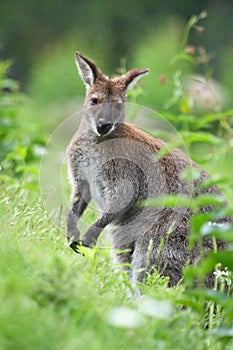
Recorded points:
(20, 144)
(53, 299)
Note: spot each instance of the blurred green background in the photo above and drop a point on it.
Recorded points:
(41, 38)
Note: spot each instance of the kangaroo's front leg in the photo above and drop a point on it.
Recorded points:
(116, 205)
(92, 234)
(81, 199)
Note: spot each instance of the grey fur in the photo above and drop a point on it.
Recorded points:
(117, 165)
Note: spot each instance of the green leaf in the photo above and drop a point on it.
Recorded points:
(197, 221)
(182, 201)
(203, 137)
(220, 231)
(182, 57)
(31, 187)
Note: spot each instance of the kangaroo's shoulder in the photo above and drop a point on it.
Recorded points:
(172, 157)
(134, 133)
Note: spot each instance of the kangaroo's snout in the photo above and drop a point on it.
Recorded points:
(104, 128)
(106, 116)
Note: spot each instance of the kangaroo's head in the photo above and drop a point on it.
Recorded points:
(105, 97)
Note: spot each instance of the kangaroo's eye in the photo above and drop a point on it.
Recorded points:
(94, 101)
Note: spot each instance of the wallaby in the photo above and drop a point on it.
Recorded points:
(120, 167)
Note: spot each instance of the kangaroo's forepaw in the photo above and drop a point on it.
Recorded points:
(75, 246)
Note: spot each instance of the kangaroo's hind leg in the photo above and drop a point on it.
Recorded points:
(164, 248)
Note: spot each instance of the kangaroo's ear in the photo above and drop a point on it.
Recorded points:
(87, 69)
(132, 76)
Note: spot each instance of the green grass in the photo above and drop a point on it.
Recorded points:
(51, 298)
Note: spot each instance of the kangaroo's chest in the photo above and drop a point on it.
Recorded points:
(89, 165)
(116, 170)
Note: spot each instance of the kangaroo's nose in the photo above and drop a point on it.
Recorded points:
(103, 128)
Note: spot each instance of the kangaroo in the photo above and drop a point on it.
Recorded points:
(118, 166)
